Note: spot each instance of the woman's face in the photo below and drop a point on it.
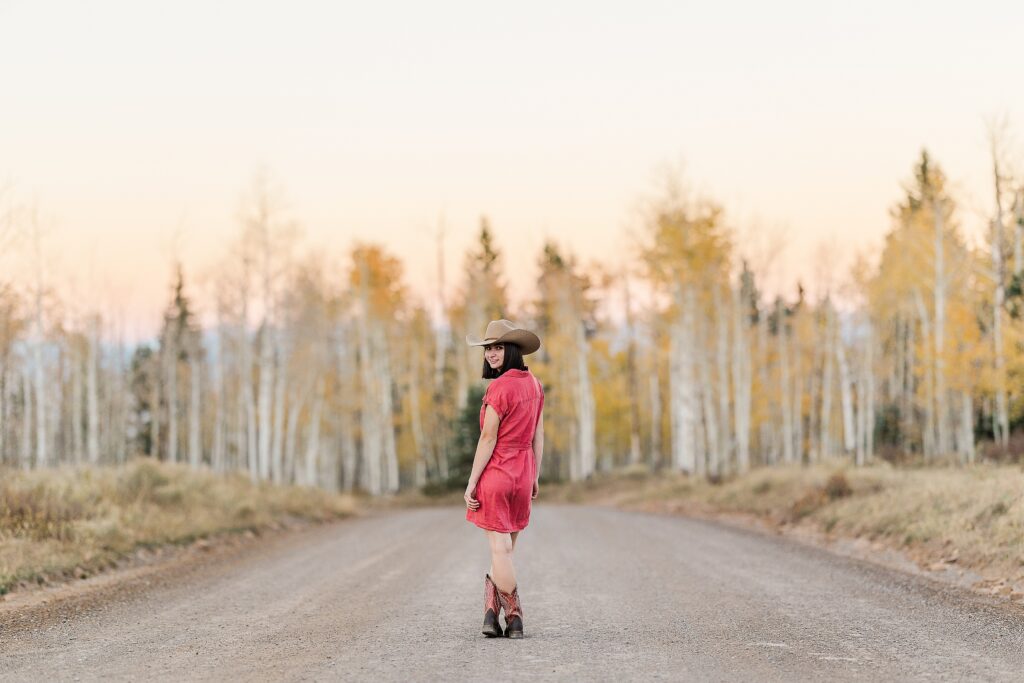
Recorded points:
(494, 354)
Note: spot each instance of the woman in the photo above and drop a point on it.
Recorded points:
(506, 467)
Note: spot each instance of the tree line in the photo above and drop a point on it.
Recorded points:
(352, 381)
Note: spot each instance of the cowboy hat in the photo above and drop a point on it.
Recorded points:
(505, 332)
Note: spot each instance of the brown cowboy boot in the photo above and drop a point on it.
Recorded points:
(492, 606)
(513, 612)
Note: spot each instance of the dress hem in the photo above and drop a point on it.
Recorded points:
(490, 528)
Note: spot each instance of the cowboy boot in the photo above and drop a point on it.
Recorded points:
(492, 606)
(513, 612)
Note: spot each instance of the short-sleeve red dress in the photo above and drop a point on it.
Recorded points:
(505, 487)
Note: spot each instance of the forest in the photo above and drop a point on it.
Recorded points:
(339, 376)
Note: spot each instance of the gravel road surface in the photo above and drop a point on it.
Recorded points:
(607, 595)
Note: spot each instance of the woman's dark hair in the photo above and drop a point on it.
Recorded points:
(513, 361)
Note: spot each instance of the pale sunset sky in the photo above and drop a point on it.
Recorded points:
(128, 121)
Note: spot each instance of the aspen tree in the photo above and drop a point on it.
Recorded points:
(562, 314)
(346, 421)
(631, 369)
(77, 407)
(686, 253)
(376, 277)
(1000, 419)
(744, 309)
(25, 451)
(481, 299)
(40, 395)
(826, 446)
(723, 387)
(922, 280)
(92, 391)
(281, 344)
(1018, 233)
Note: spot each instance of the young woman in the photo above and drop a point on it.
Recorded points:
(506, 467)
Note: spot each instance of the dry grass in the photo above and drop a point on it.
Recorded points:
(77, 521)
(973, 516)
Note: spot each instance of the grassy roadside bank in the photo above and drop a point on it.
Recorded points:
(941, 518)
(56, 524)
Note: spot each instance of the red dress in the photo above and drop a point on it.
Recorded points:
(505, 487)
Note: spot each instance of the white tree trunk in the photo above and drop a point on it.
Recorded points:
(1001, 424)
(870, 372)
(708, 446)
(585, 405)
(312, 459)
(249, 402)
(865, 400)
(156, 398)
(846, 398)
(797, 410)
(39, 392)
(461, 378)
(120, 447)
(786, 384)
(26, 415)
(634, 392)
(742, 380)
(825, 447)
(928, 432)
(346, 420)
(654, 387)
(389, 452)
(372, 455)
(195, 444)
(724, 451)
(681, 386)
(909, 372)
(280, 388)
(416, 420)
(471, 360)
(40, 395)
(78, 407)
(93, 394)
(941, 407)
(296, 404)
(219, 428)
(170, 360)
(349, 459)
(264, 405)
(1018, 233)
(769, 437)
(5, 408)
(965, 444)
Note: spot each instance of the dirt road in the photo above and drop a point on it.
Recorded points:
(607, 595)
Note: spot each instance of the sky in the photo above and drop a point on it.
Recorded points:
(135, 127)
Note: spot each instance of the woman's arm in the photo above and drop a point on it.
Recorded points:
(538, 442)
(484, 450)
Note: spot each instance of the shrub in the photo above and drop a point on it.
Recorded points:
(139, 482)
(37, 513)
(837, 486)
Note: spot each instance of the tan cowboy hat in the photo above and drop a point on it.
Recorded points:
(504, 331)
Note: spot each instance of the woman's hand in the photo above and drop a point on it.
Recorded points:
(471, 502)
(536, 490)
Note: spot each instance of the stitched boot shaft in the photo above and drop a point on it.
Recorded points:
(492, 607)
(513, 612)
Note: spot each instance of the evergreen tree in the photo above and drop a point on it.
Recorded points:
(465, 435)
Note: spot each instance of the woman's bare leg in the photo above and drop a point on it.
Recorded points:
(502, 572)
(515, 535)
